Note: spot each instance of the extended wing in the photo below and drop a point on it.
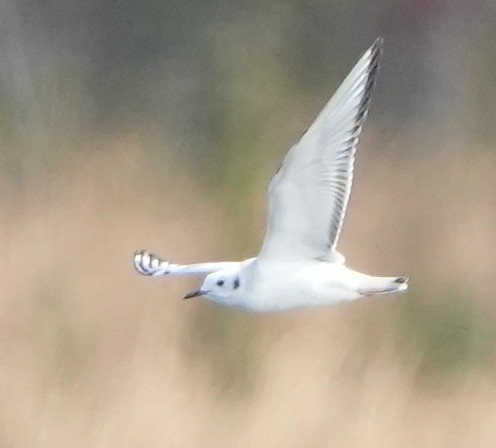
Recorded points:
(151, 265)
(309, 194)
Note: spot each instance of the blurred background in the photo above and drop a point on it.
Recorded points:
(157, 124)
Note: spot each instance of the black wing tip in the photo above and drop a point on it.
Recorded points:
(376, 50)
(375, 54)
(378, 43)
(373, 68)
(148, 264)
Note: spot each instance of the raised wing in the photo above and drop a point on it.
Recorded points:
(309, 194)
(151, 265)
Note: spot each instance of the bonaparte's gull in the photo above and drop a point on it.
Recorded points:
(298, 265)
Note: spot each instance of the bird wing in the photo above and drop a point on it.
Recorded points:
(309, 193)
(149, 264)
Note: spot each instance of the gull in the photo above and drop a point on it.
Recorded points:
(298, 265)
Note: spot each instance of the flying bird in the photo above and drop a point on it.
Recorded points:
(298, 265)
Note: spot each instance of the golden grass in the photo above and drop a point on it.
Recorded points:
(93, 355)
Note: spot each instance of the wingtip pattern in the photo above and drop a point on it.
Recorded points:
(378, 43)
(373, 55)
(149, 264)
(373, 68)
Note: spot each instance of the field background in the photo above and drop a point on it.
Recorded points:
(157, 124)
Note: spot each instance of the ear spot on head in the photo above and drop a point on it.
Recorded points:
(220, 283)
(236, 283)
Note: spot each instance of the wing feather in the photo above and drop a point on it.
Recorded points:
(151, 265)
(309, 194)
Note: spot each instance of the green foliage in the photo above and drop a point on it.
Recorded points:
(448, 333)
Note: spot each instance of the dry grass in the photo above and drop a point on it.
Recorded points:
(93, 355)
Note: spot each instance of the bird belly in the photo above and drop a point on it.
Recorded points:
(285, 286)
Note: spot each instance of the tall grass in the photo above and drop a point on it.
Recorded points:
(92, 354)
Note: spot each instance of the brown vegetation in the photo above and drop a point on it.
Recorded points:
(94, 355)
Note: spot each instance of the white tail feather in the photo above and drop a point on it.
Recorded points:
(382, 285)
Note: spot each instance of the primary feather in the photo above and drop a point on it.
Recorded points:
(309, 194)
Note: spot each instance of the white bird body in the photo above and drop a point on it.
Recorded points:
(298, 264)
(300, 283)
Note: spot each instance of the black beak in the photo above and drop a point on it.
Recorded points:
(195, 294)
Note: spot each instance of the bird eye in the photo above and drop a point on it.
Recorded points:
(220, 283)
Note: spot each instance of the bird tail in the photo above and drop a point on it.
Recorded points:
(382, 285)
